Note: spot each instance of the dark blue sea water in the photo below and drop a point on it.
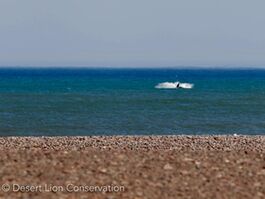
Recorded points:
(124, 101)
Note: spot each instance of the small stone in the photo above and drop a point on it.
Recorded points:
(103, 170)
(139, 193)
(219, 175)
(257, 184)
(168, 167)
(259, 194)
(262, 172)
(184, 172)
(188, 159)
(197, 164)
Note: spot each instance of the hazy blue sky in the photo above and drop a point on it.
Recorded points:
(132, 33)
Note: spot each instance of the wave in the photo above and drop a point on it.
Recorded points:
(174, 85)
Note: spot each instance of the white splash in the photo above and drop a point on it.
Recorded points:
(174, 85)
(186, 85)
(166, 85)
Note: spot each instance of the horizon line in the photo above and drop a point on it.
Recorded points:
(127, 67)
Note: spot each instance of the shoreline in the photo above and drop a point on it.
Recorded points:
(146, 166)
(138, 142)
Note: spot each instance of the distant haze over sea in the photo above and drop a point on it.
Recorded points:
(132, 33)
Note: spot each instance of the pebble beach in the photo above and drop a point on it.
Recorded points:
(133, 167)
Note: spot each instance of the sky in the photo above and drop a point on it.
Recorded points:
(135, 33)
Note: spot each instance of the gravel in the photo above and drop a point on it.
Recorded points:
(142, 166)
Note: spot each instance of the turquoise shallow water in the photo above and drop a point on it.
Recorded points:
(124, 101)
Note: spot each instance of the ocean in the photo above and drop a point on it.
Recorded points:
(67, 101)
